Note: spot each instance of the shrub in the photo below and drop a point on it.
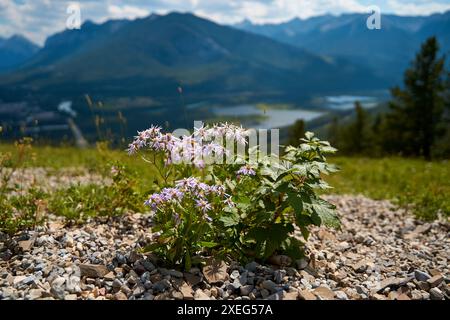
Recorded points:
(80, 202)
(243, 210)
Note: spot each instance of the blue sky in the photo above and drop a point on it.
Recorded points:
(36, 19)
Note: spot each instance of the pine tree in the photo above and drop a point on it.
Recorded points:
(296, 132)
(416, 110)
(356, 136)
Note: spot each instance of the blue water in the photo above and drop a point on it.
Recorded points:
(275, 118)
(348, 102)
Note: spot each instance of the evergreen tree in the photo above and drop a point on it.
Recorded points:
(334, 132)
(356, 137)
(296, 132)
(416, 110)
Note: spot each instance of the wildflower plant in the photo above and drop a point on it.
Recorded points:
(247, 208)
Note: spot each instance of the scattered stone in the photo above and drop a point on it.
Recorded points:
(215, 271)
(421, 276)
(435, 280)
(93, 270)
(186, 291)
(35, 294)
(251, 266)
(341, 295)
(280, 260)
(436, 294)
(324, 293)
(26, 245)
(58, 288)
(120, 296)
(246, 290)
(200, 295)
(269, 285)
(306, 295)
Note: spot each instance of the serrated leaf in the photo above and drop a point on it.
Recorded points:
(327, 213)
(230, 220)
(296, 202)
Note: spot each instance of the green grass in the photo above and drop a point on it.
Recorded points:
(94, 159)
(424, 185)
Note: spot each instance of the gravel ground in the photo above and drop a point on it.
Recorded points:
(380, 253)
(48, 179)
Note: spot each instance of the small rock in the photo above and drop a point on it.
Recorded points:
(279, 275)
(436, 294)
(251, 266)
(246, 290)
(176, 274)
(421, 276)
(109, 276)
(269, 285)
(148, 265)
(120, 296)
(35, 294)
(26, 245)
(235, 274)
(341, 295)
(306, 295)
(177, 295)
(360, 266)
(200, 295)
(276, 296)
(293, 295)
(93, 270)
(57, 288)
(215, 271)
(264, 293)
(280, 260)
(301, 263)
(324, 293)
(435, 280)
(192, 279)
(186, 291)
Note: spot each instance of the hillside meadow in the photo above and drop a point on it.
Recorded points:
(421, 186)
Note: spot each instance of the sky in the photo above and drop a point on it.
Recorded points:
(37, 19)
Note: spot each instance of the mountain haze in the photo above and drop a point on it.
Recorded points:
(386, 51)
(154, 55)
(14, 51)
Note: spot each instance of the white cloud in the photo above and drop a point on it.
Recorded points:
(421, 8)
(37, 19)
(126, 12)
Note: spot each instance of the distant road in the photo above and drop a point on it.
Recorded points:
(80, 141)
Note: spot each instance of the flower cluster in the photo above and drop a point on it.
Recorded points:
(190, 189)
(246, 170)
(204, 143)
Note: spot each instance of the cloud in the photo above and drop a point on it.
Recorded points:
(419, 8)
(36, 19)
(126, 12)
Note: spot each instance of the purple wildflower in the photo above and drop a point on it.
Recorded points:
(246, 171)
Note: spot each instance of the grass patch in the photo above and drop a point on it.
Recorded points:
(424, 185)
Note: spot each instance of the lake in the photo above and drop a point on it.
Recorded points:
(273, 118)
(347, 102)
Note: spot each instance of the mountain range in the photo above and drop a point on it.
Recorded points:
(153, 56)
(149, 68)
(14, 51)
(387, 51)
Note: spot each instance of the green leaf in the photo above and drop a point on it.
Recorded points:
(208, 244)
(305, 232)
(296, 202)
(327, 213)
(187, 261)
(231, 220)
